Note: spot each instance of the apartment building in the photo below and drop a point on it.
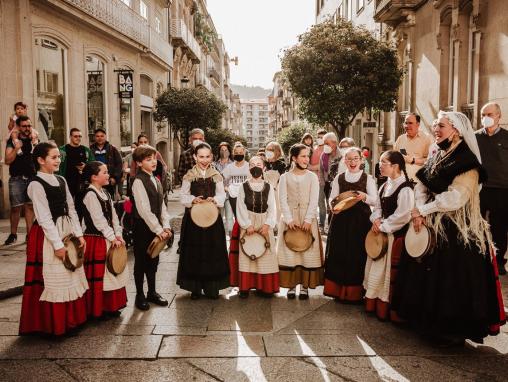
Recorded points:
(256, 121)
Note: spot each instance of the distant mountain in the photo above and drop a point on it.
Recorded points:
(250, 92)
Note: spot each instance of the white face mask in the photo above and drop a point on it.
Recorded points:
(269, 154)
(320, 142)
(327, 149)
(196, 142)
(487, 122)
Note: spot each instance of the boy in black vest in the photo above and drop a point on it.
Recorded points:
(150, 219)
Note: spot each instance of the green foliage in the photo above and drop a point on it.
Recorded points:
(291, 135)
(214, 137)
(338, 70)
(186, 109)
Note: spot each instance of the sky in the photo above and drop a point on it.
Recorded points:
(256, 31)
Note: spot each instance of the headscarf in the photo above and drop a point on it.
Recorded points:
(463, 126)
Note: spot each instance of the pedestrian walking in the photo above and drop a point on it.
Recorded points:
(108, 154)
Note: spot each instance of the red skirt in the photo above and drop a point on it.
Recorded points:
(97, 300)
(382, 308)
(266, 283)
(54, 318)
(494, 329)
(348, 293)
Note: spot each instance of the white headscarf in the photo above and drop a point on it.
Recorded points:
(463, 126)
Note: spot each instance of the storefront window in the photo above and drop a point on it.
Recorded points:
(50, 65)
(95, 95)
(126, 121)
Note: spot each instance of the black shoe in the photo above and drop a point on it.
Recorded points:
(156, 299)
(243, 294)
(195, 296)
(501, 269)
(11, 239)
(141, 302)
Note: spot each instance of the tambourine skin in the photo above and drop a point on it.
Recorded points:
(298, 240)
(376, 245)
(419, 245)
(116, 260)
(344, 201)
(80, 253)
(156, 247)
(260, 249)
(204, 214)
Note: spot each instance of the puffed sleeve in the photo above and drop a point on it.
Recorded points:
(43, 214)
(335, 190)
(93, 206)
(313, 198)
(457, 195)
(186, 197)
(143, 207)
(220, 194)
(402, 215)
(283, 199)
(372, 195)
(271, 212)
(242, 214)
(76, 225)
(116, 222)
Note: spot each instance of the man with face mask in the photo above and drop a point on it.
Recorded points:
(235, 174)
(314, 167)
(329, 159)
(493, 144)
(187, 161)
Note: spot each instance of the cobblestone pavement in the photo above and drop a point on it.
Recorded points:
(232, 339)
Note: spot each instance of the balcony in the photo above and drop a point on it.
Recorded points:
(182, 37)
(392, 12)
(213, 73)
(123, 19)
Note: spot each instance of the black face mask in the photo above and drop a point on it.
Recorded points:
(300, 167)
(238, 157)
(445, 144)
(256, 172)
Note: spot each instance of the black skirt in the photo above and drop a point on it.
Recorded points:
(203, 262)
(451, 292)
(345, 247)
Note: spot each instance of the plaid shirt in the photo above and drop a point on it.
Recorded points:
(186, 163)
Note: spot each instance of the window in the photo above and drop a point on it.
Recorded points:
(359, 5)
(157, 24)
(473, 63)
(451, 75)
(95, 94)
(50, 60)
(143, 9)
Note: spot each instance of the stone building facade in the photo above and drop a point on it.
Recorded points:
(256, 121)
(95, 63)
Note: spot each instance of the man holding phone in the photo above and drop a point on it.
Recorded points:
(413, 145)
(74, 157)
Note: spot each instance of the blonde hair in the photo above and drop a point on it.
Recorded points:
(276, 146)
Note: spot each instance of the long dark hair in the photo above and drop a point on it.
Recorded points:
(295, 150)
(41, 151)
(395, 157)
(91, 169)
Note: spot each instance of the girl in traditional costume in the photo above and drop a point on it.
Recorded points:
(453, 293)
(391, 216)
(203, 264)
(255, 213)
(106, 294)
(298, 194)
(53, 296)
(345, 248)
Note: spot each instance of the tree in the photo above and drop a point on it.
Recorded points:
(291, 135)
(339, 70)
(214, 137)
(186, 109)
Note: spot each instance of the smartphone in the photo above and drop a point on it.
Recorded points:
(403, 151)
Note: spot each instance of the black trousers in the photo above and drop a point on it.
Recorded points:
(143, 264)
(232, 201)
(494, 206)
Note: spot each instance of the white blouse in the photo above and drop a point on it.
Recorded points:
(94, 208)
(353, 177)
(43, 214)
(313, 198)
(456, 197)
(242, 213)
(144, 210)
(186, 197)
(405, 203)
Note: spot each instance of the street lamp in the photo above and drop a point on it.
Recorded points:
(185, 80)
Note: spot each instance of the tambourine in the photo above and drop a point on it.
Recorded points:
(75, 254)
(116, 259)
(204, 214)
(156, 246)
(254, 246)
(344, 201)
(376, 245)
(419, 244)
(298, 240)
